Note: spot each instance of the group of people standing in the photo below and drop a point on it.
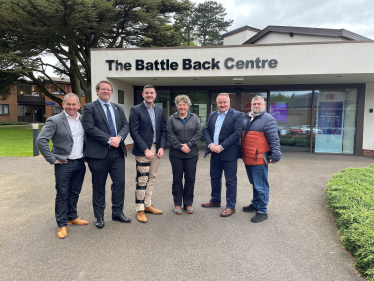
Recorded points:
(98, 136)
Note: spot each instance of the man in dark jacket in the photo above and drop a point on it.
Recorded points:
(106, 129)
(222, 136)
(148, 130)
(259, 139)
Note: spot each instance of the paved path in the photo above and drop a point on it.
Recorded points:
(298, 242)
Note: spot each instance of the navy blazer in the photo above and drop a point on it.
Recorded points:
(141, 129)
(95, 123)
(229, 136)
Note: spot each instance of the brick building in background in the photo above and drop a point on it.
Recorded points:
(28, 104)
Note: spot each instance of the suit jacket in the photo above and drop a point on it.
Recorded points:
(58, 129)
(141, 129)
(95, 123)
(229, 136)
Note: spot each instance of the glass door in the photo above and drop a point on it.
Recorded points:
(292, 112)
(335, 113)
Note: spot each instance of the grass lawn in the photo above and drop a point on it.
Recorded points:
(16, 141)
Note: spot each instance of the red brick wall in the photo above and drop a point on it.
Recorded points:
(369, 153)
(12, 101)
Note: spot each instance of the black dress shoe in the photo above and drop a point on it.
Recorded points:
(100, 222)
(122, 218)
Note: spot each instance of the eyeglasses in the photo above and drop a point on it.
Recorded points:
(105, 89)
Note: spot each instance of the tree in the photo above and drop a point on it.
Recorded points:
(33, 30)
(184, 23)
(6, 82)
(209, 19)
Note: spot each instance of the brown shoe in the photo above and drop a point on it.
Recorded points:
(227, 212)
(78, 221)
(152, 210)
(141, 216)
(62, 233)
(210, 204)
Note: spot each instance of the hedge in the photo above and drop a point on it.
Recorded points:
(13, 123)
(350, 195)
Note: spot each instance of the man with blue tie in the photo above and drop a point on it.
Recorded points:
(222, 133)
(106, 129)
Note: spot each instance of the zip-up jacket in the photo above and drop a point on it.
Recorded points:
(178, 133)
(260, 136)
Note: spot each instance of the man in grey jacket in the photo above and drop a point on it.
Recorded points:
(67, 134)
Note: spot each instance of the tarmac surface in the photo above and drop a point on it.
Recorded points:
(299, 241)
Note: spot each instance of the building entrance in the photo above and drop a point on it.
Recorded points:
(310, 118)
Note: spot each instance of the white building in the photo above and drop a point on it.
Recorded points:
(310, 77)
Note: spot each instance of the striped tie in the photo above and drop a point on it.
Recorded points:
(112, 130)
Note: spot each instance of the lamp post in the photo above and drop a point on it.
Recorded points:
(35, 133)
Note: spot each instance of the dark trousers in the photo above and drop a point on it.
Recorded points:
(188, 168)
(217, 166)
(114, 165)
(69, 180)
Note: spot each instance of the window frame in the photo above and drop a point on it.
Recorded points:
(2, 105)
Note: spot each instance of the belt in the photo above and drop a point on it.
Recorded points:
(75, 159)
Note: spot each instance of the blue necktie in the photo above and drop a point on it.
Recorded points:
(112, 130)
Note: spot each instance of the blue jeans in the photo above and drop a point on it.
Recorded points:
(69, 180)
(258, 177)
(217, 166)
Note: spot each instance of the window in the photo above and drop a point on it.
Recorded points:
(24, 89)
(4, 109)
(121, 97)
(23, 110)
(36, 92)
(56, 90)
(56, 110)
(292, 112)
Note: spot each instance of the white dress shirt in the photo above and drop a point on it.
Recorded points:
(78, 136)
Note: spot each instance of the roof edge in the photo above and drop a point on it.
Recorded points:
(240, 29)
(343, 33)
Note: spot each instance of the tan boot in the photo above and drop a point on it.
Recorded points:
(152, 210)
(141, 216)
(78, 221)
(62, 233)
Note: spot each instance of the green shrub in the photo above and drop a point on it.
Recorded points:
(13, 123)
(350, 195)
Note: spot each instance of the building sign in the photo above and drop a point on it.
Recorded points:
(188, 64)
(50, 103)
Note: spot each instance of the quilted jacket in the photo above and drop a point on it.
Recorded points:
(259, 136)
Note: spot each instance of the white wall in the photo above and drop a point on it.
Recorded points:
(238, 38)
(368, 142)
(308, 59)
(278, 37)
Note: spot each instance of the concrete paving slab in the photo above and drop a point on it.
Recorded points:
(299, 241)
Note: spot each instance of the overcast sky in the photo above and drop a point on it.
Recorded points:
(354, 15)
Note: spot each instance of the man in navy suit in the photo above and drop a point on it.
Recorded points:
(106, 129)
(222, 135)
(148, 130)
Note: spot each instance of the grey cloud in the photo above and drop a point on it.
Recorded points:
(355, 16)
